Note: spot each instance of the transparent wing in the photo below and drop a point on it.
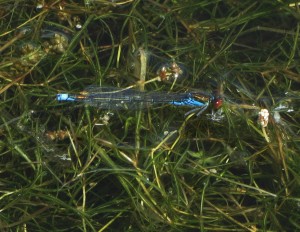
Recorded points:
(117, 98)
(114, 98)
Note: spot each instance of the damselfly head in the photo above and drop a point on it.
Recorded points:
(217, 103)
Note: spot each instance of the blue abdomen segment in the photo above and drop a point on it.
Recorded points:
(65, 97)
(188, 102)
(192, 100)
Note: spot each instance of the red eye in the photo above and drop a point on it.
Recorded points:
(218, 103)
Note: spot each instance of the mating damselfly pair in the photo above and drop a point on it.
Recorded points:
(117, 98)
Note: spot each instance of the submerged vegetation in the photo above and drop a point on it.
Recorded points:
(69, 166)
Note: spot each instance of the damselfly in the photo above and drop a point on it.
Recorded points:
(117, 98)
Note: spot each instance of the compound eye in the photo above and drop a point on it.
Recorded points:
(218, 103)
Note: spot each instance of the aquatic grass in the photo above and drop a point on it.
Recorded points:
(73, 167)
